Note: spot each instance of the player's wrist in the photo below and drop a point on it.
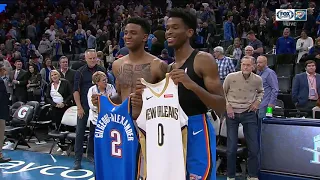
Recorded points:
(193, 86)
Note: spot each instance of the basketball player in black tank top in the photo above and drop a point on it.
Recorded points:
(196, 74)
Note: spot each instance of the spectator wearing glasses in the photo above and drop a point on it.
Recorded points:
(248, 51)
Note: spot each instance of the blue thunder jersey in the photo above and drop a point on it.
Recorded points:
(116, 146)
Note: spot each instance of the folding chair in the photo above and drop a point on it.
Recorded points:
(20, 124)
(41, 119)
(69, 119)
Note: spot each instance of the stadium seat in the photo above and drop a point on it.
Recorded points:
(298, 68)
(19, 125)
(284, 84)
(42, 118)
(76, 57)
(14, 107)
(287, 100)
(69, 119)
(55, 64)
(271, 60)
(285, 59)
(222, 147)
(284, 70)
(70, 57)
(279, 109)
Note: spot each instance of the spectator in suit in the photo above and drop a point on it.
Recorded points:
(82, 83)
(59, 95)
(4, 113)
(65, 71)
(18, 81)
(306, 88)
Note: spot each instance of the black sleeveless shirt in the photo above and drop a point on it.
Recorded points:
(189, 101)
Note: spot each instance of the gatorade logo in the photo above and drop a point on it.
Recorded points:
(22, 112)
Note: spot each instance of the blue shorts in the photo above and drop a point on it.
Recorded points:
(201, 149)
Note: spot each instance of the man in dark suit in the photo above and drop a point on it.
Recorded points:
(65, 71)
(18, 81)
(306, 88)
(4, 112)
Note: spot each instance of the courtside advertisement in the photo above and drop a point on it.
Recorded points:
(291, 15)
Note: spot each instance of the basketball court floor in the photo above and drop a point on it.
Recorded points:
(27, 165)
(36, 163)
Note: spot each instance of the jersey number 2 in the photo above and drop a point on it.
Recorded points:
(160, 134)
(116, 151)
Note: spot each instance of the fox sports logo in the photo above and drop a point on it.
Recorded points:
(285, 14)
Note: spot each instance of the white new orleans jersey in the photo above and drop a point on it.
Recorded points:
(164, 125)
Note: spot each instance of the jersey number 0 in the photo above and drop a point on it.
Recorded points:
(116, 151)
(160, 134)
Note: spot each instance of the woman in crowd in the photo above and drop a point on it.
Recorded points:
(59, 95)
(34, 83)
(100, 87)
(303, 45)
(46, 68)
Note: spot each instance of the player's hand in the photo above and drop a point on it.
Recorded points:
(180, 75)
(136, 100)
(230, 112)
(80, 112)
(139, 87)
(254, 106)
(94, 100)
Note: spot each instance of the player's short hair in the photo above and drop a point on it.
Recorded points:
(141, 22)
(97, 76)
(187, 17)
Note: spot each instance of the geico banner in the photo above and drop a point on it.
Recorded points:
(19, 167)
